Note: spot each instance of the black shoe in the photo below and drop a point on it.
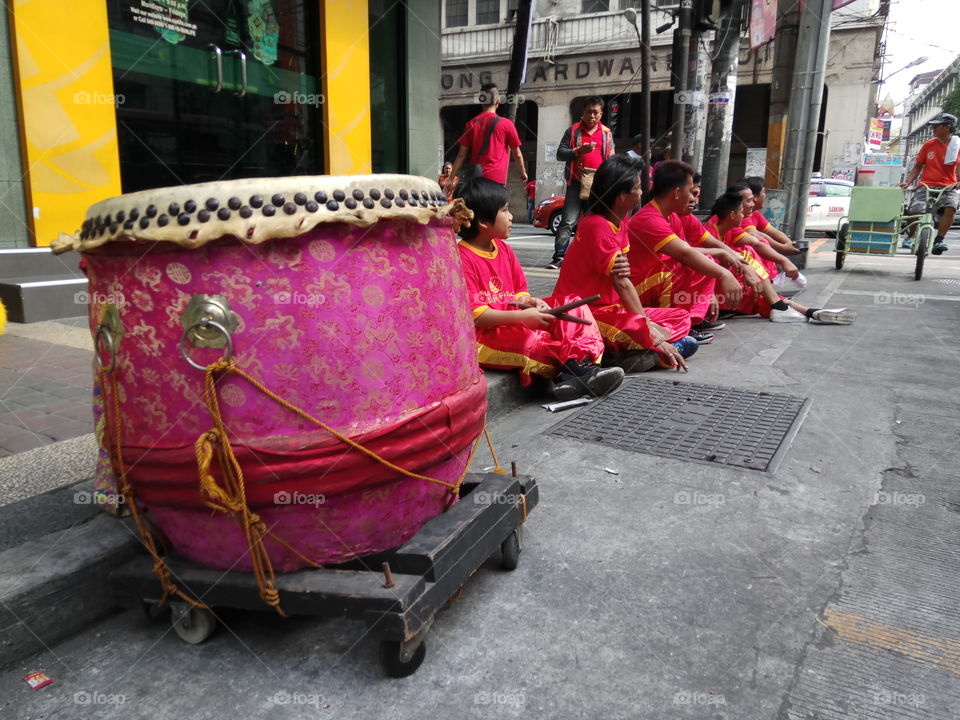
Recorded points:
(704, 338)
(727, 314)
(579, 378)
(631, 361)
(939, 248)
(709, 326)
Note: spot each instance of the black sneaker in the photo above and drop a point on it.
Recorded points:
(939, 248)
(603, 380)
(709, 326)
(585, 378)
(704, 338)
(631, 361)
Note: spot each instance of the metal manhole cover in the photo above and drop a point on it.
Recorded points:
(689, 421)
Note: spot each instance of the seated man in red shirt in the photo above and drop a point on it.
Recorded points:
(778, 240)
(763, 299)
(937, 168)
(513, 329)
(636, 337)
(664, 268)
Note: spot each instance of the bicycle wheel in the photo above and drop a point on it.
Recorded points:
(923, 244)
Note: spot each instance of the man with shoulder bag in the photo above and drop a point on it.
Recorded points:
(583, 147)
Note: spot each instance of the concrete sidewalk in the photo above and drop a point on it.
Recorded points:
(824, 589)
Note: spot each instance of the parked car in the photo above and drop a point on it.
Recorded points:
(547, 213)
(829, 200)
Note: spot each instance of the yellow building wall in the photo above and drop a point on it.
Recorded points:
(345, 57)
(67, 121)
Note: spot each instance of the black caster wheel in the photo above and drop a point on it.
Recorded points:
(510, 551)
(401, 659)
(193, 624)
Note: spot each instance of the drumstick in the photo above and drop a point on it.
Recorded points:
(572, 318)
(571, 305)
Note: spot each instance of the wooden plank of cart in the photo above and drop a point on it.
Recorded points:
(398, 592)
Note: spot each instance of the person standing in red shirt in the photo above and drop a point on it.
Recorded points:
(531, 190)
(583, 147)
(489, 140)
(937, 168)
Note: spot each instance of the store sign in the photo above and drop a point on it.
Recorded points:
(875, 138)
(170, 18)
(763, 22)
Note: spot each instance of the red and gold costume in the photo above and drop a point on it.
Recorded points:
(494, 280)
(752, 302)
(586, 271)
(660, 280)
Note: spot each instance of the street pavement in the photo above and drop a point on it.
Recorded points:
(648, 587)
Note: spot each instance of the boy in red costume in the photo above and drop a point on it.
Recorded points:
(513, 329)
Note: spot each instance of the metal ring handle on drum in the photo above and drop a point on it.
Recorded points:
(104, 331)
(206, 323)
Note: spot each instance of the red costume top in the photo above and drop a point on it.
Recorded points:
(649, 231)
(494, 279)
(755, 220)
(589, 259)
(733, 237)
(504, 137)
(694, 231)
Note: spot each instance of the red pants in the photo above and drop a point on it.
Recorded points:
(676, 286)
(752, 302)
(540, 352)
(624, 330)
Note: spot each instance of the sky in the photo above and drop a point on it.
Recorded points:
(918, 28)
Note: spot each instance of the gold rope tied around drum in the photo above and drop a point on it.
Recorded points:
(160, 569)
(232, 499)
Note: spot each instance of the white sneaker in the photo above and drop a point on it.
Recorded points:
(786, 316)
(835, 316)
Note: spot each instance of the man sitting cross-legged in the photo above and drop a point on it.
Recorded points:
(513, 329)
(596, 264)
(763, 299)
(664, 268)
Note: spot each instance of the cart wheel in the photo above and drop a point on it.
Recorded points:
(510, 551)
(193, 624)
(923, 243)
(842, 245)
(401, 659)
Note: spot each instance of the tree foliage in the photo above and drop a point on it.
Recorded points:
(952, 103)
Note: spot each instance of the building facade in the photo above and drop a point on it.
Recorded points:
(102, 98)
(922, 106)
(579, 48)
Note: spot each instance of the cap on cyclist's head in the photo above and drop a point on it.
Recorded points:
(945, 119)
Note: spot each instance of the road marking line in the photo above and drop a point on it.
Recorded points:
(941, 652)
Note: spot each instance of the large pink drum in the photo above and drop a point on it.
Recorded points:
(344, 296)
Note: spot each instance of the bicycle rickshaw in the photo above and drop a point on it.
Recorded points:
(877, 220)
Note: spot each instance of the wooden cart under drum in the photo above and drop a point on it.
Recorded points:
(398, 592)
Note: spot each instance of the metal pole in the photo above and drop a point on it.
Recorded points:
(645, 91)
(723, 81)
(681, 74)
(785, 54)
(518, 57)
(804, 117)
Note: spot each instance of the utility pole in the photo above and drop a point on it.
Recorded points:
(806, 96)
(785, 51)
(518, 58)
(681, 72)
(723, 91)
(643, 37)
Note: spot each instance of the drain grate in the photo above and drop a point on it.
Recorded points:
(688, 421)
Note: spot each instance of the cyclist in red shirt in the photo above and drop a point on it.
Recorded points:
(936, 169)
